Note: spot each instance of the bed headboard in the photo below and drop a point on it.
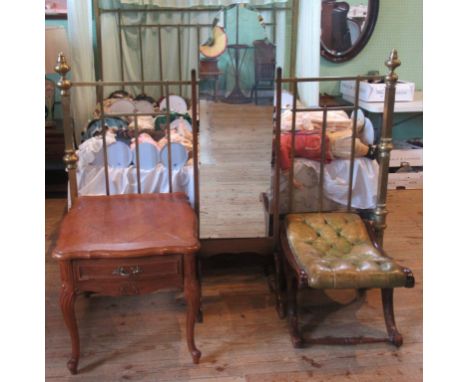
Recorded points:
(143, 28)
(384, 146)
(70, 158)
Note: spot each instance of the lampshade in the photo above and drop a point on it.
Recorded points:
(56, 41)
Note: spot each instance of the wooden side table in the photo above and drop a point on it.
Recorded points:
(125, 245)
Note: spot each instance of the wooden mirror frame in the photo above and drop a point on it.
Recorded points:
(372, 14)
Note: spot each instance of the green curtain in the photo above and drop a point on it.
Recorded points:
(111, 55)
(80, 35)
(197, 3)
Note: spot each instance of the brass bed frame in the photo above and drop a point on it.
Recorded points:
(274, 9)
(211, 246)
(384, 146)
(270, 244)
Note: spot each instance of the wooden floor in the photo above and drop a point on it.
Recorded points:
(235, 157)
(242, 340)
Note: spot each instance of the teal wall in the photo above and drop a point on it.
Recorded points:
(399, 25)
(250, 30)
(55, 77)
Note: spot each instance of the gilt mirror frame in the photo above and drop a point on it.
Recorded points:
(358, 46)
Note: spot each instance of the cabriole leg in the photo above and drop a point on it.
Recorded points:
(199, 278)
(293, 317)
(387, 301)
(192, 296)
(279, 286)
(67, 304)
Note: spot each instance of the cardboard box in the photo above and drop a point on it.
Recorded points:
(413, 156)
(405, 180)
(376, 92)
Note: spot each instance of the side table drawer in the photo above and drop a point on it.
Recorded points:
(128, 276)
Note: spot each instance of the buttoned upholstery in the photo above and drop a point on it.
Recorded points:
(335, 251)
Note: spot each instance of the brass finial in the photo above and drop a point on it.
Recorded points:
(62, 68)
(392, 63)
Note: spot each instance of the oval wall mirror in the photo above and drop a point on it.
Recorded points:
(346, 27)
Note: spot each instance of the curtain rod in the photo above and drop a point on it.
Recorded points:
(204, 9)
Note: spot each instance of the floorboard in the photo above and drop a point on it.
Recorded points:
(235, 168)
(242, 340)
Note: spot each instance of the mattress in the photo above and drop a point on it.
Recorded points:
(91, 180)
(91, 177)
(335, 192)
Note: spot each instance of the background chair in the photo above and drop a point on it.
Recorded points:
(265, 63)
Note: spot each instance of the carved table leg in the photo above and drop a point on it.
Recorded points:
(199, 278)
(293, 318)
(192, 296)
(387, 301)
(67, 304)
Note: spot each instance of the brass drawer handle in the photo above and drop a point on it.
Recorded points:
(121, 271)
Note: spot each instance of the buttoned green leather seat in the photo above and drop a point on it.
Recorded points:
(335, 251)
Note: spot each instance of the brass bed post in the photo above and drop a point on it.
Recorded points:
(168, 132)
(179, 55)
(142, 70)
(97, 15)
(160, 61)
(195, 145)
(121, 49)
(277, 135)
(70, 158)
(100, 98)
(273, 11)
(353, 148)
(137, 151)
(323, 149)
(385, 146)
(198, 44)
(292, 154)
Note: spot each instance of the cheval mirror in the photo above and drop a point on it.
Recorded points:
(237, 71)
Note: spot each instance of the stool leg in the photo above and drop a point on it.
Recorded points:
(293, 317)
(67, 304)
(192, 296)
(279, 287)
(387, 301)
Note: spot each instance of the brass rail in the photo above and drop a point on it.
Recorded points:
(180, 27)
(71, 157)
(384, 146)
